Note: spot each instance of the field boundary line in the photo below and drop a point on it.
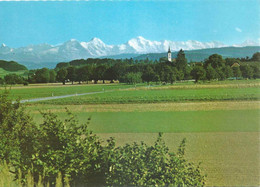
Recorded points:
(58, 97)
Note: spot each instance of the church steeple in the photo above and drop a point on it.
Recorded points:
(169, 54)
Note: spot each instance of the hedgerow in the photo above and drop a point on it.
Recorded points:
(69, 151)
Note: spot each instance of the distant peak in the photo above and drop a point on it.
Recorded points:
(250, 43)
(72, 40)
(96, 39)
(140, 38)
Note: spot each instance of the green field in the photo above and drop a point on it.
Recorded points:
(188, 121)
(220, 120)
(165, 95)
(240, 89)
(28, 92)
(169, 122)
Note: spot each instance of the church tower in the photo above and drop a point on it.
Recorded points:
(169, 55)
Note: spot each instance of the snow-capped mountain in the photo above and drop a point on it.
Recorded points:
(73, 49)
(248, 43)
(97, 47)
(4, 49)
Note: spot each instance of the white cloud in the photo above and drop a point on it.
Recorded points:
(238, 29)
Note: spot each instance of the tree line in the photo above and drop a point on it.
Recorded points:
(135, 71)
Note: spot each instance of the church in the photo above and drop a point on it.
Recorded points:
(169, 54)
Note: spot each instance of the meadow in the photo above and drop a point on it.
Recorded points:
(154, 119)
(179, 90)
(48, 90)
(219, 119)
(171, 94)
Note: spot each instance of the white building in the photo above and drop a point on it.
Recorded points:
(169, 55)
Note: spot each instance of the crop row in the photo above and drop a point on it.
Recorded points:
(155, 96)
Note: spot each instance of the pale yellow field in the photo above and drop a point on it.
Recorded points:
(228, 158)
(188, 106)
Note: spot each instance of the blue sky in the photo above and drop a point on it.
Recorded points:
(115, 22)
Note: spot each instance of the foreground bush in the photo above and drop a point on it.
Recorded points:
(68, 151)
(142, 165)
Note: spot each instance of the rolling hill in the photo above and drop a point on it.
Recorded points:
(11, 66)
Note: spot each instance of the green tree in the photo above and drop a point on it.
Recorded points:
(31, 76)
(61, 75)
(198, 73)
(71, 74)
(13, 79)
(228, 71)
(221, 73)
(179, 74)
(181, 61)
(84, 73)
(256, 71)
(120, 70)
(172, 75)
(149, 74)
(133, 78)
(247, 71)
(89, 73)
(163, 60)
(256, 57)
(62, 65)
(211, 73)
(52, 76)
(99, 73)
(42, 75)
(166, 73)
(80, 74)
(215, 60)
(236, 72)
(156, 78)
(110, 74)
(186, 72)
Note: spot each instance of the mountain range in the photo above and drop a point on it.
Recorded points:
(46, 54)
